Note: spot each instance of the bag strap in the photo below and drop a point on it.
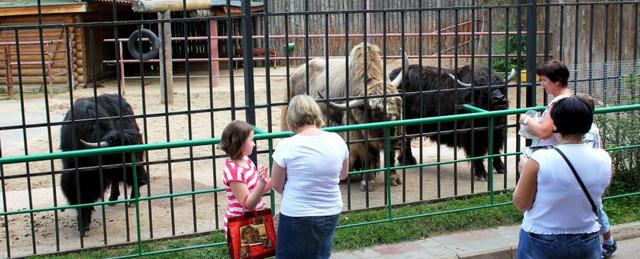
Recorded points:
(584, 189)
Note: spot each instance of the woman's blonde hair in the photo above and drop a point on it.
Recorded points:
(303, 110)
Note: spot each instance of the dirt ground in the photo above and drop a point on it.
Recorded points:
(36, 233)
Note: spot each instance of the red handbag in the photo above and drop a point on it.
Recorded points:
(251, 235)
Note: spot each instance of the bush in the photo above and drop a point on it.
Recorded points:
(623, 129)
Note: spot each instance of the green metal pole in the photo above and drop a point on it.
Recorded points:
(490, 171)
(387, 171)
(136, 192)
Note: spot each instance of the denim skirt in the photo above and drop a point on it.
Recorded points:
(305, 237)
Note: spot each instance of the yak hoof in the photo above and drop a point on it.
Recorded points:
(501, 171)
(395, 179)
(111, 198)
(481, 178)
(371, 186)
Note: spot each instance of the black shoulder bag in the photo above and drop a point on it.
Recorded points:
(584, 189)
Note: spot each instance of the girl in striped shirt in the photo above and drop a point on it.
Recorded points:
(244, 184)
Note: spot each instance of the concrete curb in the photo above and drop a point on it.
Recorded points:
(500, 242)
(620, 232)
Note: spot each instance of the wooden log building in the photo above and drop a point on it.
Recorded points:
(28, 39)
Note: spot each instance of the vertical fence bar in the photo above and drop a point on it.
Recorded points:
(531, 55)
(439, 24)
(575, 48)
(4, 205)
(620, 37)
(605, 68)
(561, 36)
(212, 132)
(136, 198)
(421, 129)
(387, 170)
(519, 84)
(267, 66)
(185, 43)
(146, 135)
(473, 60)
(488, 90)
(230, 50)
(455, 93)
(490, 162)
(247, 46)
(403, 44)
(591, 23)
(164, 52)
(547, 11)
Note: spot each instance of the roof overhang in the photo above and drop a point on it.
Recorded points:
(44, 9)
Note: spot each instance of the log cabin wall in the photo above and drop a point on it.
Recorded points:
(56, 70)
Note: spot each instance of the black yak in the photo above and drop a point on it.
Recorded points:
(489, 93)
(86, 185)
(377, 108)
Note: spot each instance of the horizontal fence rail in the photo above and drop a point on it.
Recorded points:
(262, 135)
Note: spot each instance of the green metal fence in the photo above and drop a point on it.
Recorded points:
(477, 113)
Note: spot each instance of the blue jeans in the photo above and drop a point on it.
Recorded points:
(305, 237)
(534, 246)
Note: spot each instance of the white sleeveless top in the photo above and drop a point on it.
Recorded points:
(560, 205)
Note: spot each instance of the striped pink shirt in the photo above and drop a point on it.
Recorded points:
(233, 172)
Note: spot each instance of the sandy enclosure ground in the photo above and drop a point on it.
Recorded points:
(185, 214)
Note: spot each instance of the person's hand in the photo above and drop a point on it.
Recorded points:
(263, 173)
(524, 118)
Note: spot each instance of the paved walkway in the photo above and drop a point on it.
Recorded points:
(500, 242)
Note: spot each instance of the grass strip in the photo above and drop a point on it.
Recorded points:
(620, 211)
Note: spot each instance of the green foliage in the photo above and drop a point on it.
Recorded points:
(504, 63)
(623, 129)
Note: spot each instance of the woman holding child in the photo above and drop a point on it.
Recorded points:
(554, 77)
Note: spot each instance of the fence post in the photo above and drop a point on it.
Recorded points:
(531, 54)
(166, 64)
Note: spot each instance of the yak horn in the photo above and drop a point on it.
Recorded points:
(396, 81)
(459, 82)
(511, 75)
(94, 144)
(343, 106)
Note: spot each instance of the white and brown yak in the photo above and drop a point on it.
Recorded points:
(372, 105)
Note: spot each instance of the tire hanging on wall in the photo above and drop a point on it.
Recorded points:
(135, 52)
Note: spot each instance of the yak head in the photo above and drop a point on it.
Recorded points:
(380, 101)
(123, 134)
(489, 90)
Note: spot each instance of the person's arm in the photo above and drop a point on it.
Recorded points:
(345, 169)
(278, 176)
(247, 200)
(527, 185)
(544, 129)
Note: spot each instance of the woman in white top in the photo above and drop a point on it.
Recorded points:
(559, 221)
(307, 169)
(554, 77)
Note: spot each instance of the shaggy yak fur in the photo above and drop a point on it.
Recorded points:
(371, 108)
(84, 185)
(449, 101)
